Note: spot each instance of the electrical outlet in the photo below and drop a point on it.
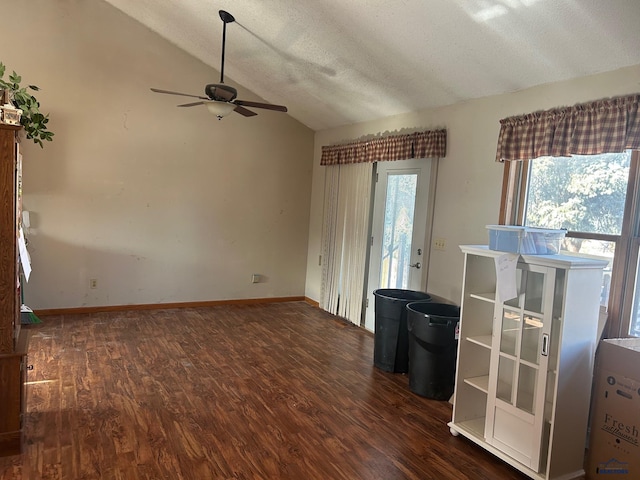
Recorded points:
(440, 244)
(93, 283)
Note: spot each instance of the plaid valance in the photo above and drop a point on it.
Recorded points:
(604, 126)
(429, 144)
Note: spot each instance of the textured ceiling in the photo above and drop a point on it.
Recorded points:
(337, 62)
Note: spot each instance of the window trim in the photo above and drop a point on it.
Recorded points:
(627, 244)
(621, 324)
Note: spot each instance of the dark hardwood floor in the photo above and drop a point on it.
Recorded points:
(280, 390)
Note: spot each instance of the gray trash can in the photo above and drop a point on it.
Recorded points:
(432, 348)
(391, 338)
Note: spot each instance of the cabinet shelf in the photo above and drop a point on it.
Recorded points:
(475, 427)
(481, 383)
(526, 353)
(485, 297)
(482, 340)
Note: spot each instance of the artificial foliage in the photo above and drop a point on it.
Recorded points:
(33, 121)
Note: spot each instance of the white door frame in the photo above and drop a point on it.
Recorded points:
(425, 194)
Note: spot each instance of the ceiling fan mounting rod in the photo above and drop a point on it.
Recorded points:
(226, 18)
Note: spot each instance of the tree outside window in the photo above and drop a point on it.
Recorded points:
(590, 197)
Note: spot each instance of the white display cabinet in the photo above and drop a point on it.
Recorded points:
(525, 365)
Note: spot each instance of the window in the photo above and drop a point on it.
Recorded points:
(398, 230)
(593, 197)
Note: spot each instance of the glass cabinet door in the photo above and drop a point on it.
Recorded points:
(519, 371)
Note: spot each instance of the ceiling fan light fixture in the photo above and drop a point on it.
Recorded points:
(220, 109)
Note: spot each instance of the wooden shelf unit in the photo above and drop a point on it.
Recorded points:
(13, 339)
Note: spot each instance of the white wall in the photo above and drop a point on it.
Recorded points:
(159, 204)
(469, 180)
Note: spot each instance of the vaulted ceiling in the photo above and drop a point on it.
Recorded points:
(337, 62)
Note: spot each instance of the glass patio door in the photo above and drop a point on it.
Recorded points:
(398, 228)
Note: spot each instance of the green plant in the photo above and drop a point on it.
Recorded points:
(33, 121)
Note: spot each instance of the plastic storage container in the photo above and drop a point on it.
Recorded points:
(433, 348)
(525, 240)
(391, 337)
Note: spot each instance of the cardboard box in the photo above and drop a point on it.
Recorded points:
(614, 441)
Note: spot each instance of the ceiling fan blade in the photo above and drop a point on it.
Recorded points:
(191, 104)
(267, 106)
(244, 111)
(157, 90)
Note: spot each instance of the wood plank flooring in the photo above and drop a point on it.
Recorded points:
(280, 390)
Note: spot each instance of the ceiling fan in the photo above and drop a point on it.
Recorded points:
(221, 98)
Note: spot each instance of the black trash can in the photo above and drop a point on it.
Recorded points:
(391, 338)
(432, 348)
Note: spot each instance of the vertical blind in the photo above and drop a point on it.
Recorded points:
(345, 235)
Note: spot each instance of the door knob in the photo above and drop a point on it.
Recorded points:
(416, 265)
